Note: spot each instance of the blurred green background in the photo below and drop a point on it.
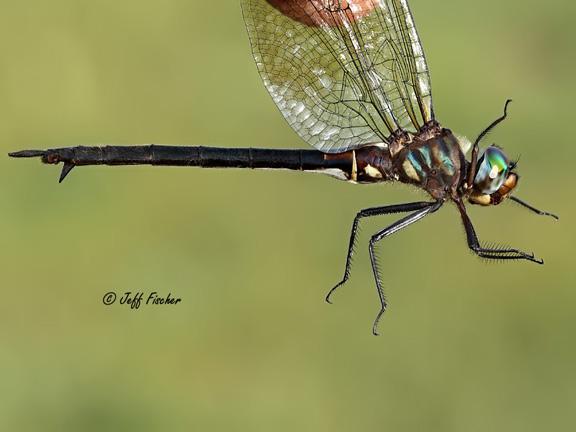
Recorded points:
(465, 346)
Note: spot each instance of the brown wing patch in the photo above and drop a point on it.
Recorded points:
(317, 13)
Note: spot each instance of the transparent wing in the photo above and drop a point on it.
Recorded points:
(343, 73)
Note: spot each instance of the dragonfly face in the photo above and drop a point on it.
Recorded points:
(495, 179)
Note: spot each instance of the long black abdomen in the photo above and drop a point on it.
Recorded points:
(205, 157)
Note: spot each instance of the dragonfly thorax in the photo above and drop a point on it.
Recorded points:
(437, 164)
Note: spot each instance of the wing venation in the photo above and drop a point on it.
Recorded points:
(343, 73)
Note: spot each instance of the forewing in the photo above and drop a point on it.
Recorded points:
(343, 73)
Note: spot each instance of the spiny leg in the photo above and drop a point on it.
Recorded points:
(371, 212)
(488, 253)
(395, 227)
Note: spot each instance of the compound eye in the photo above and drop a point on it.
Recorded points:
(492, 170)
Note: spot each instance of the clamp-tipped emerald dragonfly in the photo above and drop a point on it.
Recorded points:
(351, 78)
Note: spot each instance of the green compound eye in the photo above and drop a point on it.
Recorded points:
(491, 171)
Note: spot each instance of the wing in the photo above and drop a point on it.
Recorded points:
(343, 73)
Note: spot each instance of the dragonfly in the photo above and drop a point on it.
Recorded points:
(352, 80)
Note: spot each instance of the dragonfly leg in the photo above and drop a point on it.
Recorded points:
(371, 212)
(531, 208)
(476, 148)
(395, 227)
(491, 253)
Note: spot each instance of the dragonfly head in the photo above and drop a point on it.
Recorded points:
(495, 178)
